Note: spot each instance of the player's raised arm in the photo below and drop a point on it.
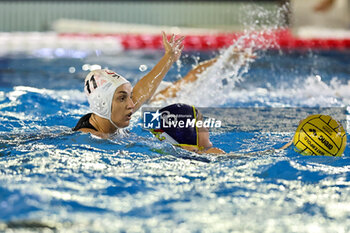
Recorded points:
(145, 88)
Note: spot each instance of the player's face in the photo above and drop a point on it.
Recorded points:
(122, 105)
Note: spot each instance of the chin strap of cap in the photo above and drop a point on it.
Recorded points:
(110, 120)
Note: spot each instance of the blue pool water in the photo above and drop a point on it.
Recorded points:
(54, 179)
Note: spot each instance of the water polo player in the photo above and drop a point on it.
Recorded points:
(187, 136)
(112, 99)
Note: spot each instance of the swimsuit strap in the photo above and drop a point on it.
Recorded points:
(84, 123)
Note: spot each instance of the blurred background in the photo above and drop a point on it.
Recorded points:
(41, 15)
(305, 19)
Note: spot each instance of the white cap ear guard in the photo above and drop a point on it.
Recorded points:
(100, 86)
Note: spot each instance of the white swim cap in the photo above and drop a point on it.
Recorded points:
(100, 86)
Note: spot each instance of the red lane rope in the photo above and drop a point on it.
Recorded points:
(277, 39)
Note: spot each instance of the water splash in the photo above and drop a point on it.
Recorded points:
(254, 17)
(288, 83)
(215, 85)
(217, 80)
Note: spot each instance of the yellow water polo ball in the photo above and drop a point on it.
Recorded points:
(320, 135)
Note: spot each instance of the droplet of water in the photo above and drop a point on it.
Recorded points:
(71, 70)
(318, 78)
(95, 67)
(143, 68)
(85, 67)
(179, 65)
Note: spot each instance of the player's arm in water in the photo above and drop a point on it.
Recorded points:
(193, 75)
(145, 88)
(287, 145)
(211, 150)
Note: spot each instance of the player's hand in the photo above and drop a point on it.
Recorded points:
(173, 47)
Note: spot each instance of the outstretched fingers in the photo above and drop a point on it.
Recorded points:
(179, 41)
(173, 46)
(164, 38)
(172, 38)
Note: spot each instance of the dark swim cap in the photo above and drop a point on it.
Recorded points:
(178, 125)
